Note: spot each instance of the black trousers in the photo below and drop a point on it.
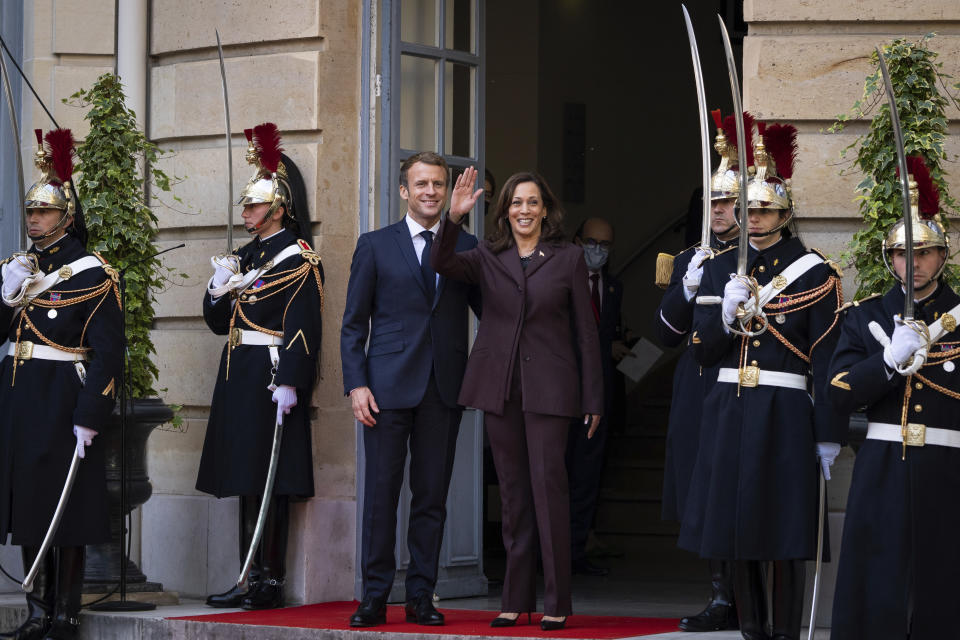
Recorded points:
(585, 457)
(430, 431)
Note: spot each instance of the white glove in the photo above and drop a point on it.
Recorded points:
(18, 274)
(84, 438)
(224, 267)
(827, 452)
(735, 293)
(904, 343)
(691, 280)
(286, 398)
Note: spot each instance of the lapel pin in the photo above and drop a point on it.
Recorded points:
(541, 254)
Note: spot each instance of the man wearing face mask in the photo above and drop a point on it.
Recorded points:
(585, 455)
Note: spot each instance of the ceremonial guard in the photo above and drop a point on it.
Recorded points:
(267, 297)
(691, 381)
(767, 319)
(899, 558)
(59, 379)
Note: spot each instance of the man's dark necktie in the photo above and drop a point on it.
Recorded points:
(595, 295)
(429, 275)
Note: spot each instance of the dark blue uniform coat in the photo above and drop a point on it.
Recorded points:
(691, 381)
(237, 446)
(39, 409)
(754, 490)
(902, 523)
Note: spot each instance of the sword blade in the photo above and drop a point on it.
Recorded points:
(904, 186)
(15, 132)
(819, 563)
(226, 117)
(264, 502)
(741, 150)
(704, 129)
(27, 584)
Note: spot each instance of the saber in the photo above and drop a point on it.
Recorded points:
(27, 584)
(226, 117)
(743, 247)
(15, 130)
(704, 130)
(819, 563)
(264, 501)
(904, 187)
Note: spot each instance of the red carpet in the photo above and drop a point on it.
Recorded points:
(463, 622)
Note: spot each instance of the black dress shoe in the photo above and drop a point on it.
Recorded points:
(31, 629)
(266, 595)
(716, 617)
(586, 568)
(422, 611)
(371, 612)
(231, 598)
(552, 625)
(503, 621)
(63, 629)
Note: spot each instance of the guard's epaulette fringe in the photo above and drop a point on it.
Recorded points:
(307, 252)
(856, 303)
(827, 261)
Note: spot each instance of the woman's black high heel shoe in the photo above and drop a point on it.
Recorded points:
(503, 621)
(553, 625)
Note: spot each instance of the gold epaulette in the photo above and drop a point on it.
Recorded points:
(827, 261)
(308, 253)
(664, 270)
(109, 270)
(856, 303)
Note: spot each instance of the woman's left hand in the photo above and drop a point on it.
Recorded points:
(593, 420)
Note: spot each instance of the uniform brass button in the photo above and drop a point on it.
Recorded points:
(753, 363)
(756, 343)
(761, 268)
(918, 408)
(526, 358)
(919, 385)
(30, 308)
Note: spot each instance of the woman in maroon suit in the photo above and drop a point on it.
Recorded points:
(535, 364)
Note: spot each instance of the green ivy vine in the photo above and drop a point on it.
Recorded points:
(113, 160)
(922, 99)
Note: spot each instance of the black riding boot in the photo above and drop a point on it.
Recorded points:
(789, 579)
(721, 612)
(231, 598)
(273, 553)
(39, 600)
(66, 612)
(751, 599)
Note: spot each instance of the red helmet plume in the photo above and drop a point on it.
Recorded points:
(60, 147)
(781, 143)
(267, 138)
(730, 130)
(929, 196)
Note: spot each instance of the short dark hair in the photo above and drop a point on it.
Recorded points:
(501, 237)
(426, 157)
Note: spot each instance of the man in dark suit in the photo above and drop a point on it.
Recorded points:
(585, 456)
(404, 385)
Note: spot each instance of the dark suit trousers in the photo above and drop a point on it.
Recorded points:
(430, 430)
(528, 451)
(584, 468)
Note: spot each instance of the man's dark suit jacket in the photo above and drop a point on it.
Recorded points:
(610, 330)
(541, 316)
(409, 335)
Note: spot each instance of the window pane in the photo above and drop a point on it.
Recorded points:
(459, 30)
(418, 103)
(458, 121)
(418, 21)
